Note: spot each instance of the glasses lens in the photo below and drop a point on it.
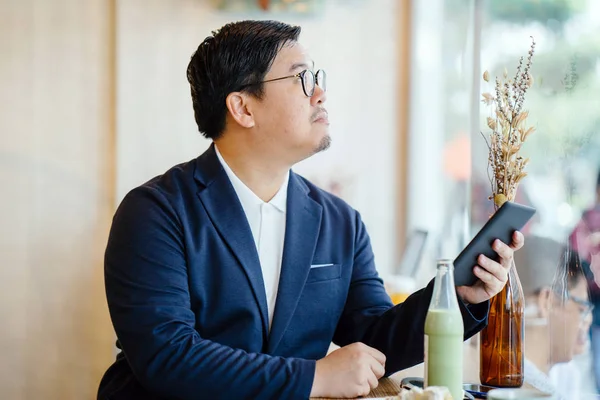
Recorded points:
(308, 80)
(322, 79)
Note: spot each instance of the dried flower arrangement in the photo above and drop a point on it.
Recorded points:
(509, 130)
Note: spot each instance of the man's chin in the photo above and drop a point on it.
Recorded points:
(323, 144)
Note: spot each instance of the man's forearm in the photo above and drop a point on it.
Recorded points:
(399, 332)
(192, 368)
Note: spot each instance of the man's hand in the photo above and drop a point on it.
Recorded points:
(350, 371)
(492, 275)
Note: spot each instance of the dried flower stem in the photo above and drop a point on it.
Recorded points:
(508, 130)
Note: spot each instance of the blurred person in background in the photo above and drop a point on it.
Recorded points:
(555, 329)
(229, 276)
(585, 239)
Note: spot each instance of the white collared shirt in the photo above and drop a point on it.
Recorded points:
(539, 380)
(267, 223)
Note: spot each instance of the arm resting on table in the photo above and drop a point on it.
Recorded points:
(396, 331)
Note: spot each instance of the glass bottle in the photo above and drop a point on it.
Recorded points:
(444, 332)
(501, 342)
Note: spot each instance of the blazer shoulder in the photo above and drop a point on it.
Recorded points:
(330, 202)
(168, 188)
(173, 179)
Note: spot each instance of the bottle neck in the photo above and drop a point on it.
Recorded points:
(513, 276)
(444, 291)
(512, 293)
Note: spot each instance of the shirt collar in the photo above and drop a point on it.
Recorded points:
(247, 196)
(279, 201)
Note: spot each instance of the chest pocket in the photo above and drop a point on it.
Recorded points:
(324, 272)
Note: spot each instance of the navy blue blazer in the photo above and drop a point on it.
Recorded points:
(187, 299)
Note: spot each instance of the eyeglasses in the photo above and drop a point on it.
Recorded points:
(309, 80)
(585, 307)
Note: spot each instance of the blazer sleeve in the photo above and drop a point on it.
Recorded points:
(397, 331)
(149, 304)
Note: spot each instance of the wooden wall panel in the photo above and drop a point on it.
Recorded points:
(56, 173)
(63, 167)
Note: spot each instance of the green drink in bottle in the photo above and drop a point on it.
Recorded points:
(444, 334)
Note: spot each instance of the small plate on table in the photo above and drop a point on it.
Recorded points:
(472, 390)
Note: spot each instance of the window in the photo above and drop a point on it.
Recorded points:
(454, 42)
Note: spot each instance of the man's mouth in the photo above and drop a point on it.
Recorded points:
(322, 117)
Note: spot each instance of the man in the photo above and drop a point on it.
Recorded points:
(230, 275)
(585, 239)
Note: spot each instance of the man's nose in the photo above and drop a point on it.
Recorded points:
(318, 96)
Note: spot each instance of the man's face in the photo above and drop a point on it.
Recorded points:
(293, 125)
(569, 332)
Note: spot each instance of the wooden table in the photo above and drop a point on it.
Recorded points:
(388, 387)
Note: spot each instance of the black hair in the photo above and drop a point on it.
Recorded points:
(236, 55)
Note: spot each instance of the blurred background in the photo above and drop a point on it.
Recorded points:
(94, 101)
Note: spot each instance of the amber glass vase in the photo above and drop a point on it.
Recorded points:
(501, 342)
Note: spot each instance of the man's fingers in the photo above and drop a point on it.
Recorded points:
(518, 240)
(376, 354)
(373, 382)
(490, 280)
(505, 252)
(377, 368)
(493, 268)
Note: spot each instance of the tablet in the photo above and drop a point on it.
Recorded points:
(509, 218)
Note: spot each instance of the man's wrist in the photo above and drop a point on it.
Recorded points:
(316, 389)
(461, 299)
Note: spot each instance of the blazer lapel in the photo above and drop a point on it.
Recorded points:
(225, 211)
(303, 220)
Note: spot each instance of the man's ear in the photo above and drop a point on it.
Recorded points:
(240, 109)
(544, 299)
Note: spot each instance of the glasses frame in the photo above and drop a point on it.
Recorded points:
(319, 78)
